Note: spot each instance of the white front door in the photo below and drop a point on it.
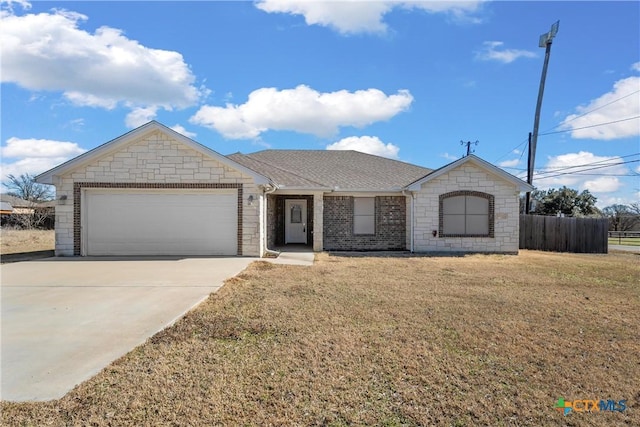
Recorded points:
(295, 221)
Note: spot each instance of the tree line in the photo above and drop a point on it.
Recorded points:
(569, 202)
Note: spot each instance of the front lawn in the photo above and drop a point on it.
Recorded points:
(461, 341)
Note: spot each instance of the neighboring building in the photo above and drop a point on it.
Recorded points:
(18, 205)
(6, 208)
(153, 191)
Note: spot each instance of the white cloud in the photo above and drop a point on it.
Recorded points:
(101, 69)
(302, 110)
(7, 6)
(636, 66)
(16, 147)
(450, 157)
(366, 144)
(357, 16)
(603, 184)
(139, 116)
(581, 171)
(493, 51)
(181, 130)
(35, 156)
(620, 103)
(608, 200)
(509, 163)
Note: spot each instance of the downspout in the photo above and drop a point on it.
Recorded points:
(268, 251)
(411, 216)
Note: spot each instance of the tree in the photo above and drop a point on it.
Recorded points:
(26, 188)
(622, 217)
(564, 200)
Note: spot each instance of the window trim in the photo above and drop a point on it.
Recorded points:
(479, 194)
(372, 215)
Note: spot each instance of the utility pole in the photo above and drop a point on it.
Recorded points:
(468, 144)
(545, 41)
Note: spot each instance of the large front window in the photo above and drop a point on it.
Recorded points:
(466, 214)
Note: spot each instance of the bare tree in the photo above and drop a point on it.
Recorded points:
(622, 217)
(26, 188)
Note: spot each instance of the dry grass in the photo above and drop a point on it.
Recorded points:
(476, 340)
(15, 241)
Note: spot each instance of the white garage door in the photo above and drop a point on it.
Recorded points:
(161, 222)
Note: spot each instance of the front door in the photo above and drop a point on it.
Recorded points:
(295, 221)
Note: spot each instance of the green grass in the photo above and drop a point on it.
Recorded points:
(627, 241)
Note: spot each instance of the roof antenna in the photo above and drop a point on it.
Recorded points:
(468, 144)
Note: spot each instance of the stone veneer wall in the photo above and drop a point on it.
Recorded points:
(154, 161)
(390, 223)
(468, 177)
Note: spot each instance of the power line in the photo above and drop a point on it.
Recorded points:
(590, 126)
(561, 168)
(596, 166)
(512, 150)
(595, 109)
(547, 132)
(591, 174)
(582, 170)
(597, 162)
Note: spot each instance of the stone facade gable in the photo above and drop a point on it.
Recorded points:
(160, 161)
(467, 178)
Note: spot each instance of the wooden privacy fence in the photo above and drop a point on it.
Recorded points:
(550, 233)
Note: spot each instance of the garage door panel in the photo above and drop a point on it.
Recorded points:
(161, 222)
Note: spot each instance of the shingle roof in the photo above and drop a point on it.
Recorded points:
(274, 173)
(6, 207)
(17, 202)
(344, 170)
(14, 201)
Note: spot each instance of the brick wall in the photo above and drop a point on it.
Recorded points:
(390, 224)
(154, 161)
(467, 178)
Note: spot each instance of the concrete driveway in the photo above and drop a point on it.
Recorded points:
(64, 320)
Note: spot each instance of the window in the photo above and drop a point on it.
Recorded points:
(296, 214)
(466, 214)
(364, 215)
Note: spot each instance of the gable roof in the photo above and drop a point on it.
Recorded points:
(121, 141)
(332, 170)
(477, 161)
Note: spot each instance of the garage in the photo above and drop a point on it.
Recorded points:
(160, 222)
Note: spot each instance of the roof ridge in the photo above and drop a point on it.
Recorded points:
(352, 151)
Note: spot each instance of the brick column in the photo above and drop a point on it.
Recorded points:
(318, 213)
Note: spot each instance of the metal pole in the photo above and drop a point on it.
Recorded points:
(527, 201)
(536, 122)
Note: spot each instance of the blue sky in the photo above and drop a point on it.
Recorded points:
(406, 80)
